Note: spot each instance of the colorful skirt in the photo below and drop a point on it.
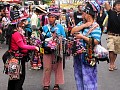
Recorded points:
(85, 76)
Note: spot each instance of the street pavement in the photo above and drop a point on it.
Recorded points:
(107, 80)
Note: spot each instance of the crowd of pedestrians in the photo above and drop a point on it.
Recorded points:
(17, 31)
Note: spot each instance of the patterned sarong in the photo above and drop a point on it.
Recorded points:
(85, 76)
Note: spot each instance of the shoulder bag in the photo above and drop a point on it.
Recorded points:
(12, 63)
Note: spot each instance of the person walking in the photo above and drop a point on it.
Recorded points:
(18, 42)
(1, 26)
(113, 29)
(49, 62)
(6, 21)
(78, 15)
(86, 74)
(35, 21)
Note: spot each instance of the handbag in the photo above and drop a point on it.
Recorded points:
(12, 64)
(12, 67)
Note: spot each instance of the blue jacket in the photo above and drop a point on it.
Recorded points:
(47, 29)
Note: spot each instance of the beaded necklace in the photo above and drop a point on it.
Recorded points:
(89, 56)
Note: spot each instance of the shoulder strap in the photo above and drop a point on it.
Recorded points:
(45, 34)
(91, 29)
(49, 29)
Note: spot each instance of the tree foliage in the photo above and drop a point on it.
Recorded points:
(46, 1)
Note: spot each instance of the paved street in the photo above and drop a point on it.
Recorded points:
(106, 80)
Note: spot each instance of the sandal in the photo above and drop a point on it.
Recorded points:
(46, 87)
(115, 68)
(56, 87)
(111, 69)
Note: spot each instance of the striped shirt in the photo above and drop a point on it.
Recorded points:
(96, 33)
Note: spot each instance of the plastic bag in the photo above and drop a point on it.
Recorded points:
(100, 52)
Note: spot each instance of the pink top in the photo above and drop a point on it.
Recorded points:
(18, 41)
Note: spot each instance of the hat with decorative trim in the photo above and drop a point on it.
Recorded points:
(92, 8)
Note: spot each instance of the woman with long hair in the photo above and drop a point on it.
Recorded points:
(18, 43)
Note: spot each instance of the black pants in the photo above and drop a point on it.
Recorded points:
(17, 84)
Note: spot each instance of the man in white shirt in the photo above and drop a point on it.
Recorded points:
(35, 21)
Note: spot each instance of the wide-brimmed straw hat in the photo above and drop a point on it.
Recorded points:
(41, 9)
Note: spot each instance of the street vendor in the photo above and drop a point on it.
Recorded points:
(49, 61)
(85, 72)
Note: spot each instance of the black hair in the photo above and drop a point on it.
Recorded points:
(52, 14)
(79, 6)
(116, 2)
(43, 19)
(20, 22)
(15, 7)
(1, 7)
(64, 10)
(11, 30)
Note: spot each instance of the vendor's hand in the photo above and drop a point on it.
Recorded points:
(79, 36)
(87, 24)
(54, 34)
(37, 48)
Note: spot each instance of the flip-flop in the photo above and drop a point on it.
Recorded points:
(115, 68)
(46, 87)
(111, 69)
